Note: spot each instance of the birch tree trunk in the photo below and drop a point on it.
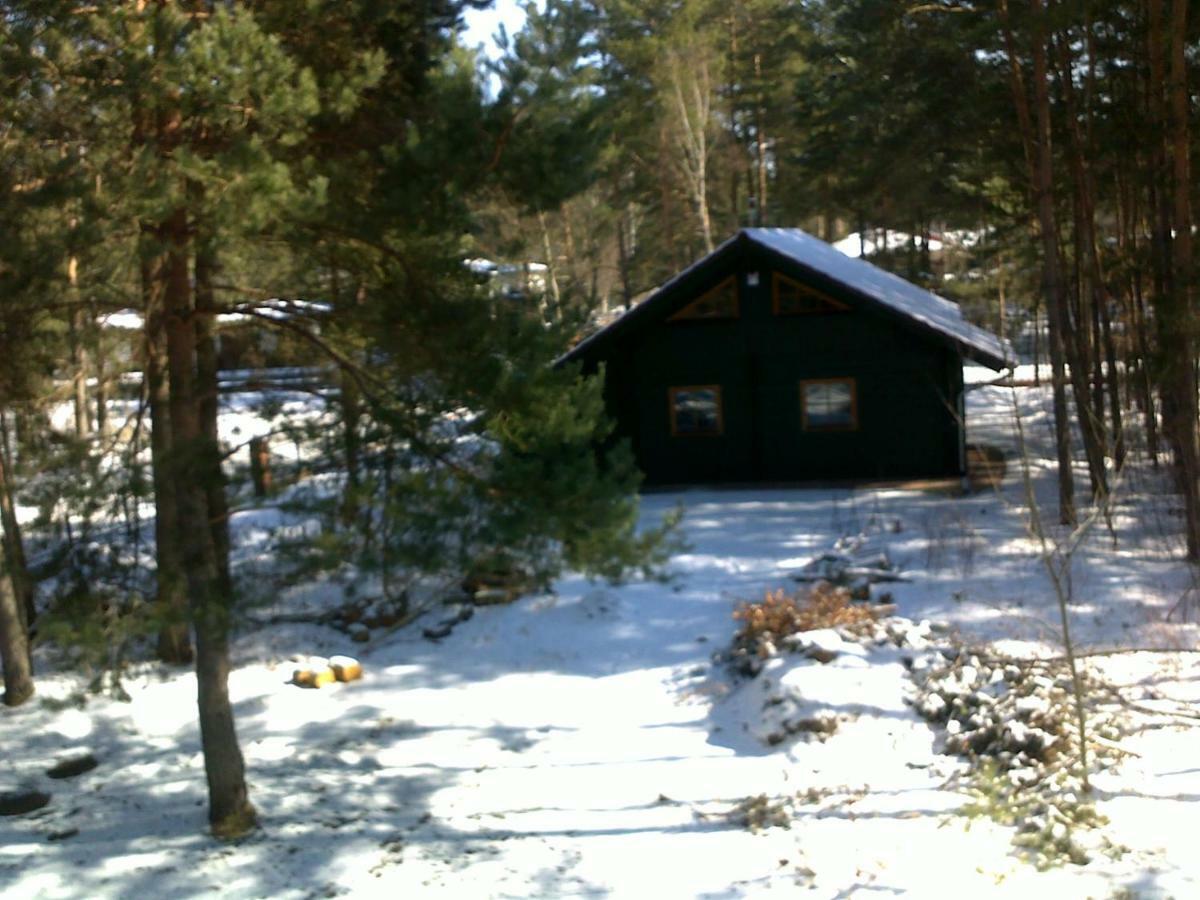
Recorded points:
(79, 360)
(760, 144)
(690, 89)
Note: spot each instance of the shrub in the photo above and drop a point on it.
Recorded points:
(779, 614)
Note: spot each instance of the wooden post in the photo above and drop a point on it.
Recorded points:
(260, 466)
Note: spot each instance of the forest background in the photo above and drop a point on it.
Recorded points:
(324, 169)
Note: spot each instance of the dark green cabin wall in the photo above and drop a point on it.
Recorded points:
(908, 387)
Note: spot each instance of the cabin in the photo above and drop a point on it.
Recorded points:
(776, 358)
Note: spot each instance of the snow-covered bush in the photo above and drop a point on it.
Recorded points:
(1012, 718)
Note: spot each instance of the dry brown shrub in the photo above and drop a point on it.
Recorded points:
(779, 614)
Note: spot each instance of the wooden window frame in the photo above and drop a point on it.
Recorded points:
(672, 392)
(852, 426)
(731, 282)
(834, 306)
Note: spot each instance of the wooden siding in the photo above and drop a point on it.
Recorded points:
(907, 389)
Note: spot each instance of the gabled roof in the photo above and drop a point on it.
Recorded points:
(927, 310)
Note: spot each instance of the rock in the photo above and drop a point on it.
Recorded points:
(821, 654)
(492, 596)
(823, 725)
(934, 707)
(359, 633)
(20, 802)
(385, 618)
(62, 834)
(72, 766)
(437, 632)
(981, 739)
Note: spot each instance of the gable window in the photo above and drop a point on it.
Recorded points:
(791, 298)
(721, 302)
(696, 411)
(829, 404)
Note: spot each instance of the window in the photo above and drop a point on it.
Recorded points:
(830, 404)
(719, 303)
(696, 411)
(791, 298)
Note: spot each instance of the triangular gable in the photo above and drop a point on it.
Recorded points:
(791, 298)
(720, 302)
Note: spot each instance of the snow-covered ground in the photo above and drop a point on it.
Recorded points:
(583, 742)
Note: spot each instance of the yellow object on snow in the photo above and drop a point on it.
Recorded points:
(346, 668)
(320, 672)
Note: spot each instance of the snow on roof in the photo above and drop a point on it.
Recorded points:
(888, 290)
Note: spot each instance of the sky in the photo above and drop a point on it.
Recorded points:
(483, 24)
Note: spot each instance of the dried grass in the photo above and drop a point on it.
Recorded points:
(779, 614)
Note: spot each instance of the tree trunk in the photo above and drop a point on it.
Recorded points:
(1178, 320)
(1144, 382)
(692, 93)
(760, 144)
(1037, 149)
(1089, 406)
(103, 421)
(229, 812)
(174, 636)
(14, 545)
(79, 362)
(208, 401)
(623, 253)
(551, 267)
(14, 646)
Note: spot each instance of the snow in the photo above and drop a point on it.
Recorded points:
(854, 243)
(583, 743)
(125, 319)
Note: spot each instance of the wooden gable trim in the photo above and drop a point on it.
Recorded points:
(689, 314)
(824, 303)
